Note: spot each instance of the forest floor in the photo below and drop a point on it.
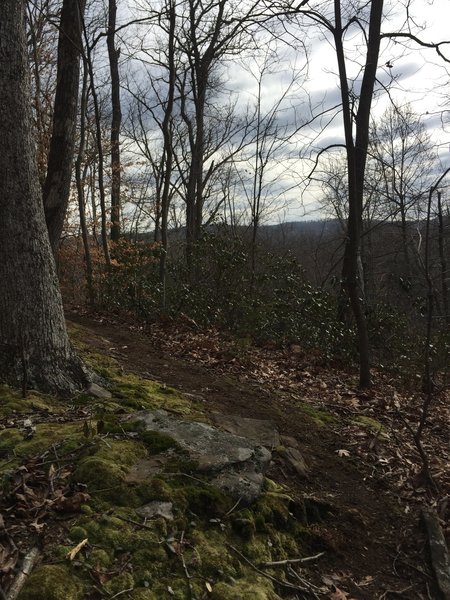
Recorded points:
(359, 448)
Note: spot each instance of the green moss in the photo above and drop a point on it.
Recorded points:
(142, 594)
(124, 581)
(155, 489)
(157, 442)
(51, 582)
(370, 423)
(206, 501)
(214, 559)
(243, 523)
(59, 552)
(274, 509)
(114, 534)
(105, 470)
(77, 534)
(257, 589)
(319, 417)
(13, 444)
(99, 558)
(11, 401)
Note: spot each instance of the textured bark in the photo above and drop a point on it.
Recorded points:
(356, 165)
(56, 189)
(116, 121)
(34, 347)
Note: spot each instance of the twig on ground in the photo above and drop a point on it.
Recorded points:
(183, 562)
(122, 592)
(233, 507)
(290, 561)
(29, 562)
(279, 582)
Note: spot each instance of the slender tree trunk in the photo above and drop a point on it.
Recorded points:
(80, 189)
(101, 160)
(34, 346)
(168, 151)
(116, 121)
(443, 260)
(56, 188)
(356, 162)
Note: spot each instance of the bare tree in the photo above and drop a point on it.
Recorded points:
(401, 152)
(42, 49)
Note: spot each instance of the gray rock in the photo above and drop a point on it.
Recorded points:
(157, 508)
(296, 460)
(232, 463)
(262, 432)
(98, 392)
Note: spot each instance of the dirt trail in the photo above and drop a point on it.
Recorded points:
(373, 550)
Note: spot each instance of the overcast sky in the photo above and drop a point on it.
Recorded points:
(413, 75)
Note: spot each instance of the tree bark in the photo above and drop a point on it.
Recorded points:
(116, 121)
(56, 189)
(356, 164)
(34, 347)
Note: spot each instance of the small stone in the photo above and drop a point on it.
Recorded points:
(297, 461)
(98, 392)
(157, 508)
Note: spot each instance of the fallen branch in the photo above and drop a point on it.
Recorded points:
(440, 560)
(279, 582)
(28, 565)
(290, 561)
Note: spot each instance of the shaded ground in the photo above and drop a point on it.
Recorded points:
(374, 545)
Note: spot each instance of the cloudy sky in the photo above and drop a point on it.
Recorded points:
(413, 75)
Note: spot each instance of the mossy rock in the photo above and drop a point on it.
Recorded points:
(104, 471)
(52, 582)
(206, 502)
(157, 442)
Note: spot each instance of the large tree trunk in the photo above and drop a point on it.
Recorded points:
(56, 189)
(34, 347)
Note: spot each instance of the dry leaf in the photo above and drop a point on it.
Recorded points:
(208, 586)
(342, 452)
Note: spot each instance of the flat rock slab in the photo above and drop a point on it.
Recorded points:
(232, 463)
(262, 432)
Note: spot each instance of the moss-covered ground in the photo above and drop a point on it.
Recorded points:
(126, 555)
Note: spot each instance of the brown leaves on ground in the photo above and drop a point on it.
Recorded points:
(378, 423)
(33, 497)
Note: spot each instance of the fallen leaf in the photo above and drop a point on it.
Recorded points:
(342, 452)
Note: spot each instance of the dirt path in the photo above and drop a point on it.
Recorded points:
(373, 550)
